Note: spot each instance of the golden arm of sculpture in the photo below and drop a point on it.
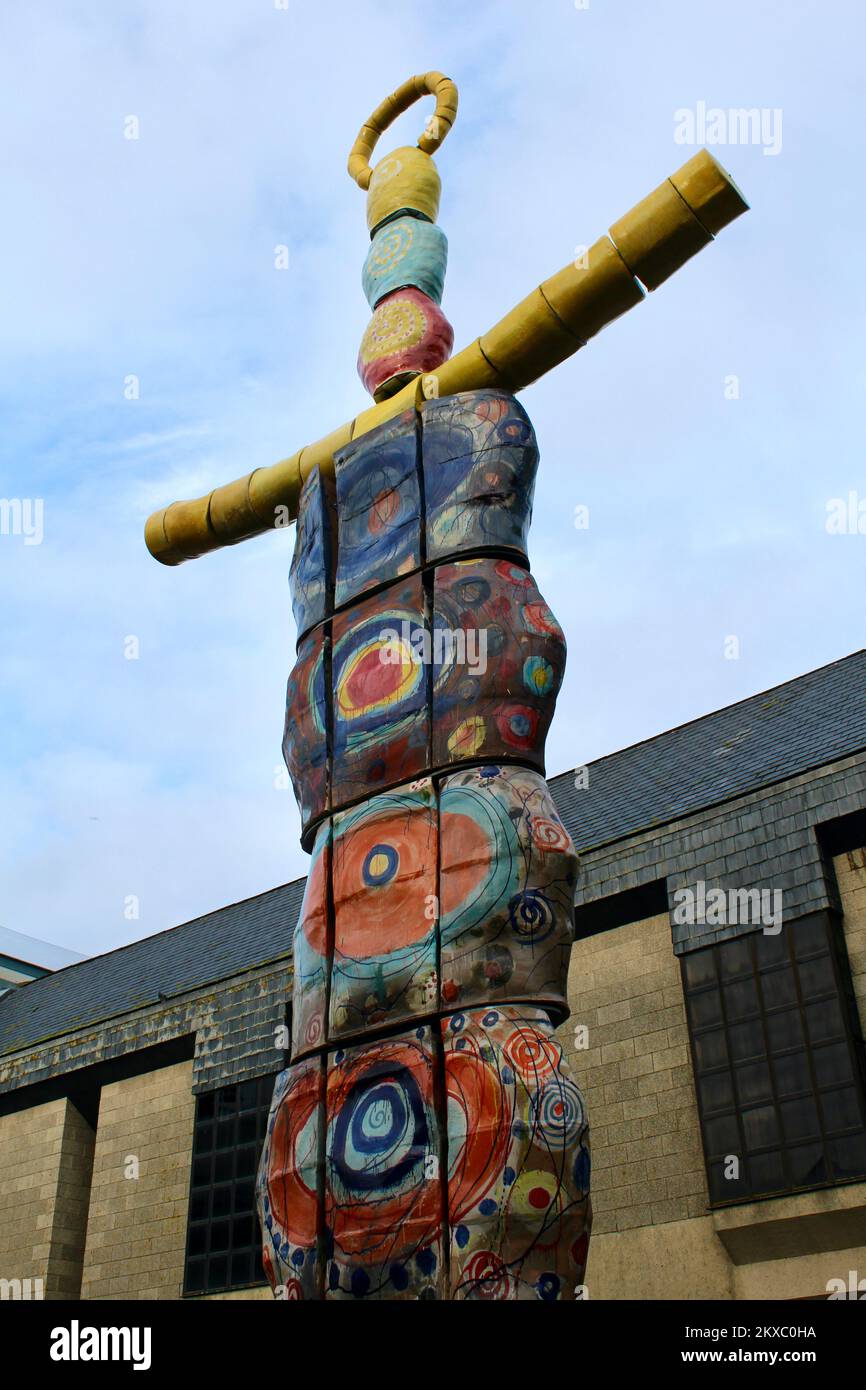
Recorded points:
(644, 248)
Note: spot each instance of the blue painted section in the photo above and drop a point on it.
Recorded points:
(406, 252)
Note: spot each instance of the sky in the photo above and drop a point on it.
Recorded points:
(150, 350)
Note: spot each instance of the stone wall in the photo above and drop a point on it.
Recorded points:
(647, 1161)
(850, 871)
(46, 1155)
(136, 1234)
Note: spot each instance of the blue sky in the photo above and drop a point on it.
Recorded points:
(156, 778)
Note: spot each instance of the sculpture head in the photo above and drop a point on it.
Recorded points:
(408, 334)
(411, 166)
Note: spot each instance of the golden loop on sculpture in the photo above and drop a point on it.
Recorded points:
(424, 84)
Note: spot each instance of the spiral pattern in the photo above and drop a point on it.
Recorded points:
(532, 1055)
(560, 1113)
(485, 1277)
(550, 835)
(532, 916)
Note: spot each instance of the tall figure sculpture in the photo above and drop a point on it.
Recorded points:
(428, 1140)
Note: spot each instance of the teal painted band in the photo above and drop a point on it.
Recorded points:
(406, 252)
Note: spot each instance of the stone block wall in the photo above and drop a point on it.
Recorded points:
(647, 1161)
(850, 869)
(136, 1235)
(46, 1156)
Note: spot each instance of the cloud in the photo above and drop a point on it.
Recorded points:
(155, 258)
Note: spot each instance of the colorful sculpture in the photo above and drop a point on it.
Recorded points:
(428, 1140)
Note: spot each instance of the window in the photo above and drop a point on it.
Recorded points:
(776, 1051)
(223, 1238)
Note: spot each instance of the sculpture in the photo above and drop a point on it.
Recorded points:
(427, 1140)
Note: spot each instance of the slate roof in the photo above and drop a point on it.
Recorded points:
(201, 952)
(803, 724)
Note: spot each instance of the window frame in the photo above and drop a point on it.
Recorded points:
(786, 1144)
(210, 1158)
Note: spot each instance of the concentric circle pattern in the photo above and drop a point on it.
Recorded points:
(428, 1141)
(518, 1158)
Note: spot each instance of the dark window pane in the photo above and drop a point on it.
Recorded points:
(760, 1127)
(204, 1134)
(245, 1231)
(201, 1172)
(784, 1030)
(767, 1172)
(792, 1074)
(242, 1268)
(717, 1092)
(711, 1049)
(247, 1161)
(197, 1240)
(705, 1009)
(247, 1128)
(248, 1095)
(753, 1082)
(841, 1110)
(245, 1195)
(226, 1134)
(722, 1135)
(736, 959)
(848, 1156)
(219, 1235)
(777, 987)
(824, 1020)
(700, 968)
(726, 1189)
(218, 1271)
(808, 1165)
(800, 1119)
(809, 937)
(222, 1200)
(223, 1167)
(227, 1101)
(199, 1203)
(195, 1281)
(832, 1064)
(205, 1106)
(771, 948)
(741, 1000)
(817, 977)
(746, 1040)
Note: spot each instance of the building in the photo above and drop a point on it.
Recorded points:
(23, 958)
(718, 991)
